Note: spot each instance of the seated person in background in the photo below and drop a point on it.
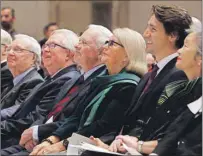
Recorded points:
(124, 56)
(151, 61)
(48, 29)
(175, 99)
(58, 56)
(6, 76)
(24, 56)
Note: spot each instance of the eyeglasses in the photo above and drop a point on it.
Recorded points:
(17, 50)
(52, 46)
(111, 43)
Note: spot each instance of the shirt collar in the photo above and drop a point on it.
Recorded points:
(3, 61)
(58, 72)
(161, 64)
(196, 106)
(91, 71)
(18, 78)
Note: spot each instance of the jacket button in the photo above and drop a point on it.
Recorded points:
(168, 111)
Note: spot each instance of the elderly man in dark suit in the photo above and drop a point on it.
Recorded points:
(24, 55)
(6, 76)
(58, 57)
(88, 59)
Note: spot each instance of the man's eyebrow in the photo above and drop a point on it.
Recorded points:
(151, 25)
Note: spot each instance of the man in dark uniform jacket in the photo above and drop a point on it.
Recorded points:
(6, 76)
(58, 60)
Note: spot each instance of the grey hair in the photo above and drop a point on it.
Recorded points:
(103, 34)
(5, 37)
(68, 38)
(196, 26)
(199, 43)
(134, 45)
(32, 45)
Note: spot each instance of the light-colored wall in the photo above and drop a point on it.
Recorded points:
(71, 15)
(31, 16)
(139, 11)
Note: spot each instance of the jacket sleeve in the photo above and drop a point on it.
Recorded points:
(13, 127)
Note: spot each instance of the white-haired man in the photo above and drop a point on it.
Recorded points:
(88, 58)
(24, 55)
(6, 76)
(58, 57)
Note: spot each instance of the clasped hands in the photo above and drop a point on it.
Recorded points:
(117, 144)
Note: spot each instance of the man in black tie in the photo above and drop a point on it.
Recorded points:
(164, 35)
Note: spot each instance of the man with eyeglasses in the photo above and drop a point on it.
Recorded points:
(58, 55)
(87, 56)
(22, 58)
(6, 76)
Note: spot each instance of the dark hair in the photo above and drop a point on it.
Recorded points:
(11, 9)
(175, 21)
(49, 25)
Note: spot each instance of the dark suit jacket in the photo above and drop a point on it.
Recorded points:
(143, 107)
(109, 114)
(6, 78)
(45, 130)
(183, 136)
(39, 103)
(21, 90)
(171, 108)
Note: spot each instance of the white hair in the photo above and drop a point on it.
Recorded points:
(196, 25)
(5, 37)
(32, 45)
(102, 34)
(67, 38)
(134, 45)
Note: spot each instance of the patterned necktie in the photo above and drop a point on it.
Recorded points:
(151, 78)
(59, 106)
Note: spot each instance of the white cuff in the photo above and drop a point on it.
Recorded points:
(35, 133)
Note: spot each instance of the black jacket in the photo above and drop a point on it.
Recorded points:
(18, 93)
(183, 136)
(143, 107)
(109, 113)
(187, 92)
(45, 130)
(6, 78)
(39, 103)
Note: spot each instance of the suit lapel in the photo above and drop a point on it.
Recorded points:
(138, 92)
(25, 78)
(135, 104)
(86, 83)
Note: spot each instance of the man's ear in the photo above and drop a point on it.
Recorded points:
(70, 55)
(199, 60)
(173, 37)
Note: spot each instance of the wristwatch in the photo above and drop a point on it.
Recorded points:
(140, 144)
(65, 143)
(48, 140)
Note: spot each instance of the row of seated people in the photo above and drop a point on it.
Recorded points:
(98, 86)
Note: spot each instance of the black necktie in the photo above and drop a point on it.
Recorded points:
(151, 78)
